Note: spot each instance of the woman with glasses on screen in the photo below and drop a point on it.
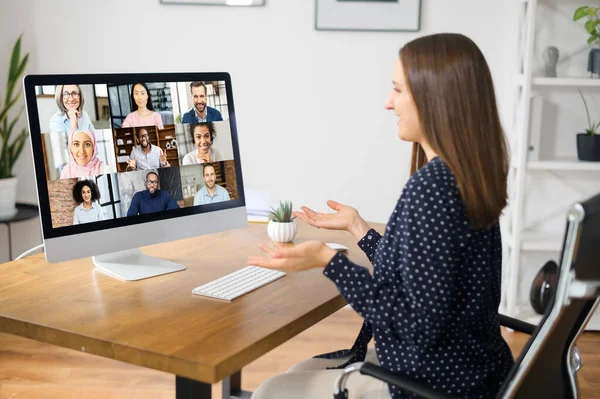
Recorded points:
(84, 157)
(432, 300)
(143, 113)
(87, 195)
(70, 115)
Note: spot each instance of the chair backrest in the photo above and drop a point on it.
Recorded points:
(546, 367)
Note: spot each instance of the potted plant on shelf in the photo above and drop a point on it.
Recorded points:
(588, 143)
(282, 227)
(11, 148)
(592, 26)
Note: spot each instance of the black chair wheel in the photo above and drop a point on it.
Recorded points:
(542, 287)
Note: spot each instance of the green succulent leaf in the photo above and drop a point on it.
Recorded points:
(283, 214)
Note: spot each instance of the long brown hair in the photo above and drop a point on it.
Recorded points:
(452, 88)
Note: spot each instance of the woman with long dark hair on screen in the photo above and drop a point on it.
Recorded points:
(142, 111)
(87, 195)
(432, 301)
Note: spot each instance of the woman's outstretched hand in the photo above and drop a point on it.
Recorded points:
(308, 255)
(345, 218)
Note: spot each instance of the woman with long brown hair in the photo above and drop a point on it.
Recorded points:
(432, 301)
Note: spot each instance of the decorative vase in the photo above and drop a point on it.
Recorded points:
(588, 147)
(282, 232)
(8, 198)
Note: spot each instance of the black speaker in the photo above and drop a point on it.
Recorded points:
(543, 286)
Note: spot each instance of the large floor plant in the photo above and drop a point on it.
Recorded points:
(11, 139)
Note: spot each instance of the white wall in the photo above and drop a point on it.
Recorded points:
(309, 103)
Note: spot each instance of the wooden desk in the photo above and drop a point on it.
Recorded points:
(158, 323)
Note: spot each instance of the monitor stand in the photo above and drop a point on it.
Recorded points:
(132, 264)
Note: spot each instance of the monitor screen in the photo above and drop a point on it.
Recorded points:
(120, 150)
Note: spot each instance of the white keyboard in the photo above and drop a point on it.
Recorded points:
(238, 283)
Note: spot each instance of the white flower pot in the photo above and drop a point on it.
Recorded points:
(282, 232)
(8, 198)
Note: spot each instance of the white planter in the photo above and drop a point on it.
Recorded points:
(8, 198)
(282, 232)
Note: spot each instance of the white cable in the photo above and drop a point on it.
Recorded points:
(29, 251)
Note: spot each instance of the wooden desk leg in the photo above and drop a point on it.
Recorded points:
(232, 387)
(191, 389)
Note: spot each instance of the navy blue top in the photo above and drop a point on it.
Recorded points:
(212, 115)
(143, 203)
(432, 302)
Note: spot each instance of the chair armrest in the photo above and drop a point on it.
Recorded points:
(405, 383)
(516, 324)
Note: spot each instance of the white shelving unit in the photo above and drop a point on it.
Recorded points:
(527, 165)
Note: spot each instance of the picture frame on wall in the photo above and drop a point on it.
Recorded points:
(234, 3)
(368, 15)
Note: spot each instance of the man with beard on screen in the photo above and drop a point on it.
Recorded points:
(201, 112)
(146, 155)
(212, 192)
(152, 199)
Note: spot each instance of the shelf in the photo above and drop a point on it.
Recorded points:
(564, 164)
(543, 242)
(560, 82)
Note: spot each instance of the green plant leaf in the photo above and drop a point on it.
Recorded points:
(591, 25)
(592, 11)
(592, 39)
(17, 146)
(9, 105)
(580, 13)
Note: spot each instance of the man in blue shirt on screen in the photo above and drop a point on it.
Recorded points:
(212, 192)
(153, 199)
(201, 112)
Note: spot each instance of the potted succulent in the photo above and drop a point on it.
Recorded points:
(588, 143)
(282, 227)
(592, 26)
(11, 147)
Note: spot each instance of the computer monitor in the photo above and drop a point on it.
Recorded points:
(128, 160)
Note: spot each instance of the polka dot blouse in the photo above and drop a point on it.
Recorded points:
(432, 302)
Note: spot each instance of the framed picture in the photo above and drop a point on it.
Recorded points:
(217, 2)
(368, 15)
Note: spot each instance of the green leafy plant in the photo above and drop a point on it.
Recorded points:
(592, 25)
(11, 149)
(592, 127)
(283, 214)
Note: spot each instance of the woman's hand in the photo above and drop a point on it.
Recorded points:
(204, 158)
(308, 255)
(131, 164)
(345, 218)
(73, 114)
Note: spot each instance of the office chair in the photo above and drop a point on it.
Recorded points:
(548, 364)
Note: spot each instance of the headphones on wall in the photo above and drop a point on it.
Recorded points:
(543, 287)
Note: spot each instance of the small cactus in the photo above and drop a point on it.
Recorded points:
(283, 214)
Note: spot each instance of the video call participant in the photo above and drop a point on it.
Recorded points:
(152, 199)
(70, 115)
(84, 160)
(201, 112)
(212, 192)
(203, 135)
(146, 155)
(143, 113)
(87, 195)
(432, 300)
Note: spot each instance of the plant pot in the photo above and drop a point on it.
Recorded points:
(588, 147)
(594, 62)
(282, 232)
(8, 198)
